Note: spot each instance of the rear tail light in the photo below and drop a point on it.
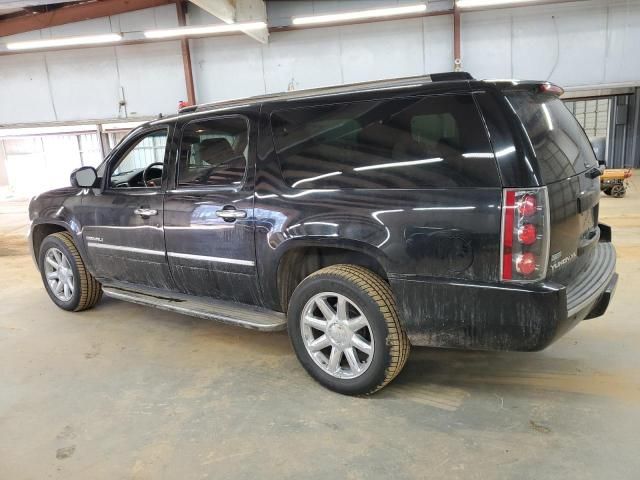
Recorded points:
(525, 234)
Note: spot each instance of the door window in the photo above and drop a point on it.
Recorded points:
(142, 165)
(213, 152)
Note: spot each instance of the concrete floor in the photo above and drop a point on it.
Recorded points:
(124, 391)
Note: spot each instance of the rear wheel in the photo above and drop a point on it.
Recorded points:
(65, 277)
(345, 330)
(618, 191)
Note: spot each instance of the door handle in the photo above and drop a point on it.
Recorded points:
(230, 214)
(145, 212)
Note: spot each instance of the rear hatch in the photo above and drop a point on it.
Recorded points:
(568, 167)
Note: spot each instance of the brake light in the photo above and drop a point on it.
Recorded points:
(527, 206)
(525, 234)
(526, 263)
(550, 88)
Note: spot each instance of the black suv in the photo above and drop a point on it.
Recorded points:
(439, 210)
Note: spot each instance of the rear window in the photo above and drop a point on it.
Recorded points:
(416, 142)
(561, 146)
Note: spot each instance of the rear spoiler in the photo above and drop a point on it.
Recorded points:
(528, 85)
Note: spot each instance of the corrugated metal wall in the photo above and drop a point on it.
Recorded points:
(591, 42)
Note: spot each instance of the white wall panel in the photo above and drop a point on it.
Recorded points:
(438, 44)
(227, 67)
(154, 85)
(622, 59)
(149, 18)
(86, 27)
(84, 83)
(373, 51)
(24, 91)
(536, 47)
(486, 44)
(583, 36)
(584, 43)
(302, 59)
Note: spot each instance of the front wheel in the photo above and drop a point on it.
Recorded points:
(65, 276)
(344, 327)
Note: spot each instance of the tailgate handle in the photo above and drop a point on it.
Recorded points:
(593, 173)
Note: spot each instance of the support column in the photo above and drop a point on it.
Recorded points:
(186, 54)
(457, 56)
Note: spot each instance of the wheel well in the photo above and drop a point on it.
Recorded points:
(40, 232)
(299, 263)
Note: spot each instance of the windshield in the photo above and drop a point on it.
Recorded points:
(560, 144)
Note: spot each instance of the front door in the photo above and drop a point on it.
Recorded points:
(123, 222)
(209, 220)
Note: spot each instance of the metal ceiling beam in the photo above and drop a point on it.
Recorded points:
(225, 10)
(74, 13)
(238, 11)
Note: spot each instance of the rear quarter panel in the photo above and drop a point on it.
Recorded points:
(447, 233)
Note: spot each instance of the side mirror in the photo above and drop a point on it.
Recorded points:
(84, 177)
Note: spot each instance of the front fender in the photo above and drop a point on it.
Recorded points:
(49, 215)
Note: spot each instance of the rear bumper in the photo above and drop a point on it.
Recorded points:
(503, 316)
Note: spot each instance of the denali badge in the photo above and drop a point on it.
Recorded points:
(562, 262)
(94, 239)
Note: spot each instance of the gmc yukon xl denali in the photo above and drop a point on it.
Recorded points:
(439, 211)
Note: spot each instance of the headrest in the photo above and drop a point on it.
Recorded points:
(216, 150)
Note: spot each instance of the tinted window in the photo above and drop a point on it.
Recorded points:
(436, 141)
(561, 146)
(213, 152)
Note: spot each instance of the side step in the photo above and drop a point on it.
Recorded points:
(226, 312)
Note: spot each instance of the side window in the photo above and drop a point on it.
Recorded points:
(142, 164)
(417, 142)
(213, 152)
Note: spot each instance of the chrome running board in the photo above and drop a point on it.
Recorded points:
(222, 311)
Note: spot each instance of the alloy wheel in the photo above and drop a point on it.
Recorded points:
(59, 274)
(337, 335)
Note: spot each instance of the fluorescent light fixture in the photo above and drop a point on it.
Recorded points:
(360, 15)
(36, 131)
(398, 164)
(204, 30)
(489, 3)
(65, 42)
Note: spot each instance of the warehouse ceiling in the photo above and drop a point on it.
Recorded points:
(22, 7)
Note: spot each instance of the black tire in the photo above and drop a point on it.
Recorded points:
(607, 191)
(374, 298)
(87, 291)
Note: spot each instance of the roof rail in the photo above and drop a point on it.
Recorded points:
(337, 89)
(450, 76)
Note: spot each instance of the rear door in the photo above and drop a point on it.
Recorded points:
(566, 163)
(209, 218)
